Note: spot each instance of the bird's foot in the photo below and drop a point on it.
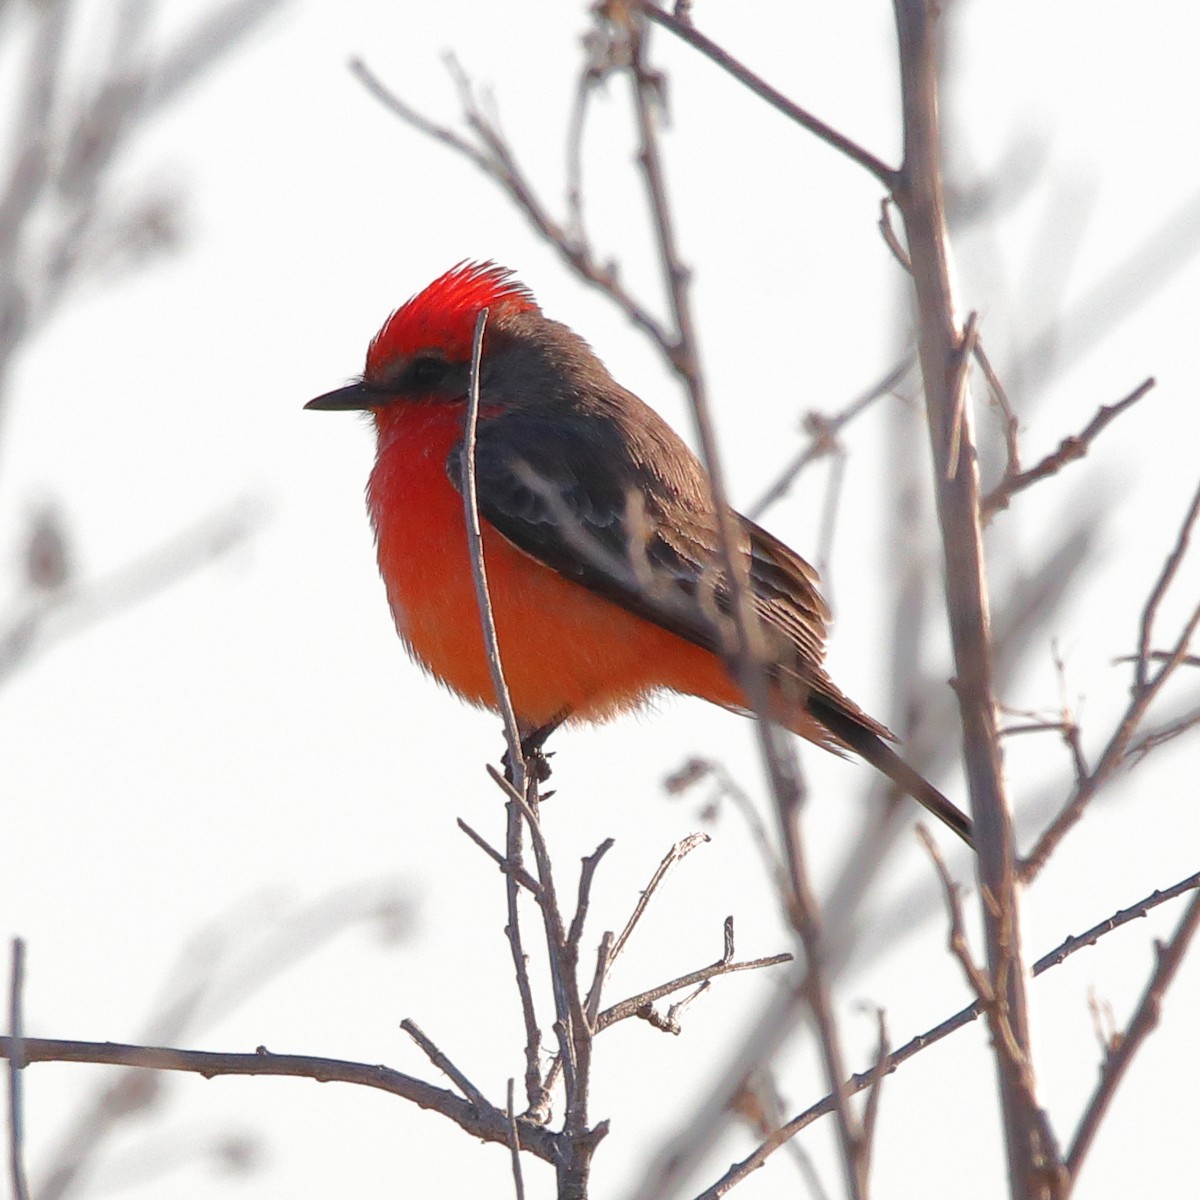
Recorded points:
(533, 750)
(537, 763)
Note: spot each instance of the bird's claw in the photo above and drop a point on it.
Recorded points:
(533, 750)
(537, 762)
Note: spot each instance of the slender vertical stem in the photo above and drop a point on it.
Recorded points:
(16, 1062)
(515, 1146)
(534, 1089)
(479, 566)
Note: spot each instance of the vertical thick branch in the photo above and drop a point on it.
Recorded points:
(944, 353)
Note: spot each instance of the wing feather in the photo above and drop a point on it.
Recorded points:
(589, 500)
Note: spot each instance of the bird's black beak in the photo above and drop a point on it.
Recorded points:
(355, 397)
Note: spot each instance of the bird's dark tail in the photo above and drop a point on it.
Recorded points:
(869, 745)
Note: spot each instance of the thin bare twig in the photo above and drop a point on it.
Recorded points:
(633, 1006)
(1124, 916)
(16, 1063)
(515, 1144)
(592, 1002)
(670, 1022)
(883, 820)
(891, 238)
(1012, 450)
(686, 32)
(574, 1035)
(442, 1061)
(1036, 725)
(676, 854)
(786, 1008)
(875, 1091)
(964, 353)
(610, 947)
(1069, 450)
(590, 863)
(1141, 1025)
(523, 877)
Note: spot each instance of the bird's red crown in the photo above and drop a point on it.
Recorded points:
(444, 314)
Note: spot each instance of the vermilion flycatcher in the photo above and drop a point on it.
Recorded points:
(599, 533)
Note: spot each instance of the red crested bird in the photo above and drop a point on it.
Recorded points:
(599, 534)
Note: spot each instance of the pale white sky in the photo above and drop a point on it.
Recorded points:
(254, 738)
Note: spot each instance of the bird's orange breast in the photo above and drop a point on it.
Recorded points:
(562, 646)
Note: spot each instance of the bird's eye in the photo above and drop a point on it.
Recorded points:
(427, 372)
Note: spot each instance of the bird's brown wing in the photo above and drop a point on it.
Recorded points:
(580, 499)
